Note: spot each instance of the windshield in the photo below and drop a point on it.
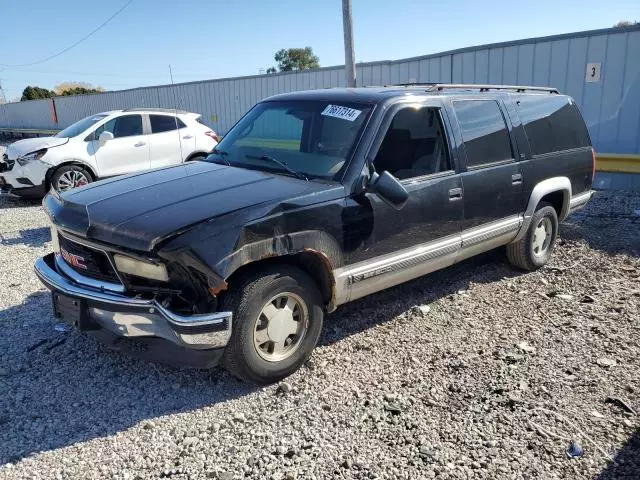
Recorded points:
(79, 127)
(313, 138)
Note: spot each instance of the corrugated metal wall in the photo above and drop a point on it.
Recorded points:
(611, 106)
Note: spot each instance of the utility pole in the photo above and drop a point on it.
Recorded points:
(349, 55)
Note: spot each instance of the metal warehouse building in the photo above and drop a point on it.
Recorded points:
(599, 68)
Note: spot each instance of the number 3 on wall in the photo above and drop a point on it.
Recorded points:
(593, 72)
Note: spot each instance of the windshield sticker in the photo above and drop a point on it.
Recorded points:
(345, 113)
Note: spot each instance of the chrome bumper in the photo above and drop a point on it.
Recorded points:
(579, 201)
(137, 317)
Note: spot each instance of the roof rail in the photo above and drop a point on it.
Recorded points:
(486, 88)
(162, 110)
(481, 87)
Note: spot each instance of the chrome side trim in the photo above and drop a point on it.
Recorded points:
(132, 316)
(491, 230)
(489, 236)
(550, 185)
(579, 201)
(90, 282)
(369, 276)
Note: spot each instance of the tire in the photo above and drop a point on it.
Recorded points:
(196, 158)
(70, 176)
(530, 252)
(249, 300)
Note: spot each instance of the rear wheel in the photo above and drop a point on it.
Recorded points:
(277, 321)
(70, 176)
(534, 249)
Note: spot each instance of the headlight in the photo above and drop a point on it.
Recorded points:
(139, 268)
(31, 156)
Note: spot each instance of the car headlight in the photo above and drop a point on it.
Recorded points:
(31, 157)
(140, 268)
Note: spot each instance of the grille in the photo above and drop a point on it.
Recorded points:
(96, 262)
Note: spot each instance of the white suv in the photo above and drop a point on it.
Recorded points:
(104, 145)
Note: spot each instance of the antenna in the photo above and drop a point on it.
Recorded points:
(175, 101)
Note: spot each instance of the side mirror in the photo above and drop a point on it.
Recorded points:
(105, 137)
(389, 189)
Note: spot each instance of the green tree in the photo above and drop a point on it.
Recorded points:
(295, 59)
(79, 91)
(33, 93)
(76, 88)
(625, 23)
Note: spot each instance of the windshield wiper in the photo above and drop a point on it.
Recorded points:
(267, 158)
(222, 155)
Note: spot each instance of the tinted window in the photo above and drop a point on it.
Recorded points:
(552, 123)
(484, 132)
(164, 123)
(414, 145)
(125, 126)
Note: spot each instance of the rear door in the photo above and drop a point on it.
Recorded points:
(170, 140)
(127, 152)
(491, 177)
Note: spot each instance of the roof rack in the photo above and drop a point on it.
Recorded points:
(481, 87)
(162, 110)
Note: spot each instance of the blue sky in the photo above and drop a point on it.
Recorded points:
(212, 39)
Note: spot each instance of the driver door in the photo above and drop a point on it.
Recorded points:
(127, 152)
(423, 235)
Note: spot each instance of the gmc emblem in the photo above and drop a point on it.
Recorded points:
(73, 260)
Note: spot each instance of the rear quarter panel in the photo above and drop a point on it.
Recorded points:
(576, 165)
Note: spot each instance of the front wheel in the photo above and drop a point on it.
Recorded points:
(534, 249)
(70, 176)
(277, 321)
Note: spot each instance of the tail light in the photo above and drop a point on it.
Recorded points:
(593, 168)
(212, 134)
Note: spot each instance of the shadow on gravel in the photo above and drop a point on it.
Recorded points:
(610, 223)
(17, 202)
(59, 388)
(626, 464)
(378, 308)
(31, 237)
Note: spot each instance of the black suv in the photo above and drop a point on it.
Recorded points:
(314, 199)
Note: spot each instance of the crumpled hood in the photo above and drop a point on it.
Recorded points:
(138, 211)
(29, 145)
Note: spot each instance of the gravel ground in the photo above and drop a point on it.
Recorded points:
(478, 371)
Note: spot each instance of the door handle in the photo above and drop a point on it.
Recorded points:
(455, 194)
(140, 144)
(516, 179)
(187, 137)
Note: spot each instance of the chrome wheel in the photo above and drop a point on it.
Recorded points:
(71, 179)
(541, 238)
(281, 327)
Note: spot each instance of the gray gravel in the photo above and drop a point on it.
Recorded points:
(478, 371)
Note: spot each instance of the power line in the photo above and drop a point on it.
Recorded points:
(103, 24)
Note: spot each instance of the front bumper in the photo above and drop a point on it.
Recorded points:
(25, 180)
(579, 201)
(6, 189)
(136, 317)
